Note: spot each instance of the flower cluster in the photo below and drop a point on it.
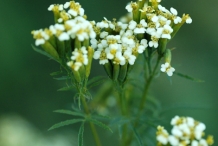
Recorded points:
(121, 48)
(186, 132)
(79, 57)
(70, 27)
(160, 21)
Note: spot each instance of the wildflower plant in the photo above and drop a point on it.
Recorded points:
(130, 50)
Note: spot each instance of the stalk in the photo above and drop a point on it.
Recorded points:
(92, 126)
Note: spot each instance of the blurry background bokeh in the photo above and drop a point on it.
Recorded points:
(28, 94)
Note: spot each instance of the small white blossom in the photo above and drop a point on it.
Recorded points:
(189, 20)
(131, 6)
(169, 70)
(132, 24)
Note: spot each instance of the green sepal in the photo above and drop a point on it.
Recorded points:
(82, 72)
(77, 43)
(116, 70)
(168, 56)
(76, 75)
(68, 46)
(61, 48)
(86, 43)
(65, 123)
(162, 46)
(123, 72)
(50, 50)
(89, 65)
(49, 53)
(108, 69)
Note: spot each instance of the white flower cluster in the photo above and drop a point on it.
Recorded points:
(71, 25)
(160, 21)
(73, 9)
(186, 132)
(79, 57)
(167, 69)
(121, 48)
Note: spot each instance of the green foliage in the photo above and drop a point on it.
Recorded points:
(63, 78)
(67, 88)
(80, 135)
(188, 77)
(69, 112)
(137, 136)
(65, 123)
(56, 73)
(100, 124)
(95, 81)
(44, 53)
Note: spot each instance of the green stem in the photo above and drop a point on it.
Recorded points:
(123, 107)
(142, 102)
(92, 126)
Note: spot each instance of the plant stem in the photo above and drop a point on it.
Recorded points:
(145, 93)
(123, 107)
(92, 126)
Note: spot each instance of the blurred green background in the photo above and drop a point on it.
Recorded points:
(27, 89)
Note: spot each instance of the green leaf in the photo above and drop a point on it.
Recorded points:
(68, 112)
(137, 136)
(95, 81)
(101, 117)
(100, 124)
(80, 135)
(188, 77)
(56, 73)
(65, 123)
(43, 53)
(62, 78)
(66, 88)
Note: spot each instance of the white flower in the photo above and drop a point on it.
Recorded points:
(189, 20)
(103, 34)
(176, 18)
(63, 36)
(75, 8)
(140, 28)
(176, 131)
(173, 140)
(165, 31)
(131, 6)
(129, 57)
(40, 36)
(119, 59)
(162, 139)
(122, 25)
(80, 55)
(101, 55)
(74, 65)
(190, 121)
(154, 40)
(175, 120)
(132, 24)
(167, 68)
(112, 50)
(162, 135)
